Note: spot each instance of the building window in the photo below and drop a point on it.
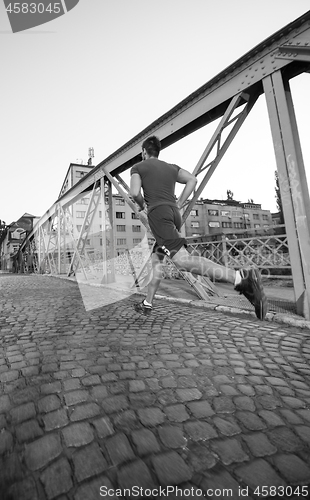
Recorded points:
(119, 201)
(256, 216)
(225, 213)
(236, 213)
(213, 212)
(194, 212)
(238, 225)
(121, 228)
(136, 229)
(120, 215)
(101, 242)
(87, 242)
(265, 217)
(195, 224)
(80, 214)
(246, 216)
(256, 226)
(80, 174)
(214, 224)
(136, 241)
(121, 241)
(226, 224)
(266, 226)
(134, 216)
(83, 201)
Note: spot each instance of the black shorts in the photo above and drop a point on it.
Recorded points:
(165, 222)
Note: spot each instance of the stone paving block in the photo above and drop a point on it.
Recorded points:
(119, 449)
(293, 403)
(223, 404)
(200, 458)
(226, 427)
(55, 419)
(284, 439)
(136, 385)
(25, 395)
(28, 431)
(165, 397)
(42, 451)
(6, 442)
(304, 433)
(145, 441)
(223, 483)
(75, 397)
(200, 409)
(103, 427)
(22, 413)
(250, 420)
(126, 421)
(171, 469)
(199, 431)
(114, 404)
(5, 403)
(177, 413)
(229, 450)
(244, 403)
(172, 436)
(135, 475)
(271, 418)
(3, 422)
(259, 473)
(24, 490)
(56, 478)
(78, 434)
(268, 402)
(8, 376)
(71, 384)
(91, 380)
(293, 469)
(259, 444)
(186, 381)
(49, 403)
(189, 394)
(88, 462)
(96, 489)
(99, 392)
(151, 416)
(84, 411)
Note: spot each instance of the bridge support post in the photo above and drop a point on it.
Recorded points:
(293, 184)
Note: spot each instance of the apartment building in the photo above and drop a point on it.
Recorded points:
(226, 217)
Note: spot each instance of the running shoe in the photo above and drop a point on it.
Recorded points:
(252, 288)
(143, 308)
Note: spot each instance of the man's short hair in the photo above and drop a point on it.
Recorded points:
(152, 145)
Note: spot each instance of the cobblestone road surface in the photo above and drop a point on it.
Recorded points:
(95, 402)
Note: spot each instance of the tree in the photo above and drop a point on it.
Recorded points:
(278, 198)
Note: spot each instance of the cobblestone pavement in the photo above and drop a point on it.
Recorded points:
(190, 401)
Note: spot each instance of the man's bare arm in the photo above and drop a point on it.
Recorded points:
(135, 190)
(190, 181)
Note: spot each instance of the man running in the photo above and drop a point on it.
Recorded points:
(157, 179)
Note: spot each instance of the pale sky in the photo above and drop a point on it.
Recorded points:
(98, 75)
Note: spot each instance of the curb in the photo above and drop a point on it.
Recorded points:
(281, 318)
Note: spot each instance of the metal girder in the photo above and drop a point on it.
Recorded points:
(87, 224)
(293, 185)
(215, 142)
(296, 50)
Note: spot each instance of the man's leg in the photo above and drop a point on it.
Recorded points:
(156, 278)
(145, 307)
(204, 267)
(247, 281)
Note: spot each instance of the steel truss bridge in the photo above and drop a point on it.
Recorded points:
(54, 245)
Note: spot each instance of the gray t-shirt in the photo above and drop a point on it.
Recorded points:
(158, 181)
